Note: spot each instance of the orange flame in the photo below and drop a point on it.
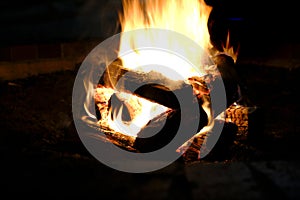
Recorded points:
(141, 111)
(229, 50)
(187, 18)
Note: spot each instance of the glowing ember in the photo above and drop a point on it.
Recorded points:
(141, 111)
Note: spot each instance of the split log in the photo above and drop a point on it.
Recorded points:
(220, 151)
(157, 88)
(182, 116)
(230, 77)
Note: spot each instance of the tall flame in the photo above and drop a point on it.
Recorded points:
(140, 20)
(187, 18)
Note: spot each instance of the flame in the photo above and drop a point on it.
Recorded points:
(187, 18)
(141, 111)
(229, 50)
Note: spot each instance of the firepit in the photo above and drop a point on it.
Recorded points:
(152, 70)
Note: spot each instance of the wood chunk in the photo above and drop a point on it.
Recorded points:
(157, 88)
(168, 130)
(220, 151)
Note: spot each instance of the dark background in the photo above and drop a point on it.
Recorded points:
(42, 156)
(255, 23)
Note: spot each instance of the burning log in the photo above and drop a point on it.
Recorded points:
(181, 116)
(162, 92)
(230, 78)
(220, 151)
(235, 117)
(159, 89)
(137, 94)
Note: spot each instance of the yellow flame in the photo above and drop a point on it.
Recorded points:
(229, 50)
(141, 112)
(188, 18)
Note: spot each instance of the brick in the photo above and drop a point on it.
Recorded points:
(49, 51)
(5, 54)
(26, 52)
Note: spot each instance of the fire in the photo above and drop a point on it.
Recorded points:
(188, 18)
(229, 50)
(141, 112)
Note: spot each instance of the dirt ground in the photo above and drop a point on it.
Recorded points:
(41, 153)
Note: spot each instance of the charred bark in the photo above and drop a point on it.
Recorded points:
(157, 88)
(182, 116)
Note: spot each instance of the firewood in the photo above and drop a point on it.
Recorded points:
(182, 116)
(230, 78)
(220, 151)
(155, 87)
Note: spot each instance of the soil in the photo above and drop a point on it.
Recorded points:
(41, 152)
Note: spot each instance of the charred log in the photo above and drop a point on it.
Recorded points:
(181, 117)
(157, 88)
(220, 151)
(230, 78)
